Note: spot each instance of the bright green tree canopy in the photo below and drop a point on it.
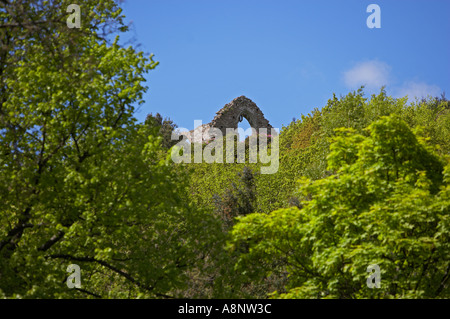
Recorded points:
(388, 204)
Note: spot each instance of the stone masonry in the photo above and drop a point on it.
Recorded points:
(229, 117)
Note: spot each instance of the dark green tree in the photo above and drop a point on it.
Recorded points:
(237, 200)
(165, 129)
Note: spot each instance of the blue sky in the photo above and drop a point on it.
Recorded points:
(287, 56)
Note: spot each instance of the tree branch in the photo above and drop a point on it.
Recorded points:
(111, 267)
(444, 280)
(14, 234)
(88, 292)
(53, 240)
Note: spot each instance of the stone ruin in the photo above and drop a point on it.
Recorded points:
(229, 117)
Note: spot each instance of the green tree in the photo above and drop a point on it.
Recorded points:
(165, 128)
(237, 200)
(386, 204)
(82, 183)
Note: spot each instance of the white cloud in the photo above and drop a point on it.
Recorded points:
(417, 89)
(372, 74)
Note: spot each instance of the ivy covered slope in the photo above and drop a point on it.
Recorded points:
(305, 145)
(82, 182)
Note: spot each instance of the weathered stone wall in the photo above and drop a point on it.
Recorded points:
(230, 115)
